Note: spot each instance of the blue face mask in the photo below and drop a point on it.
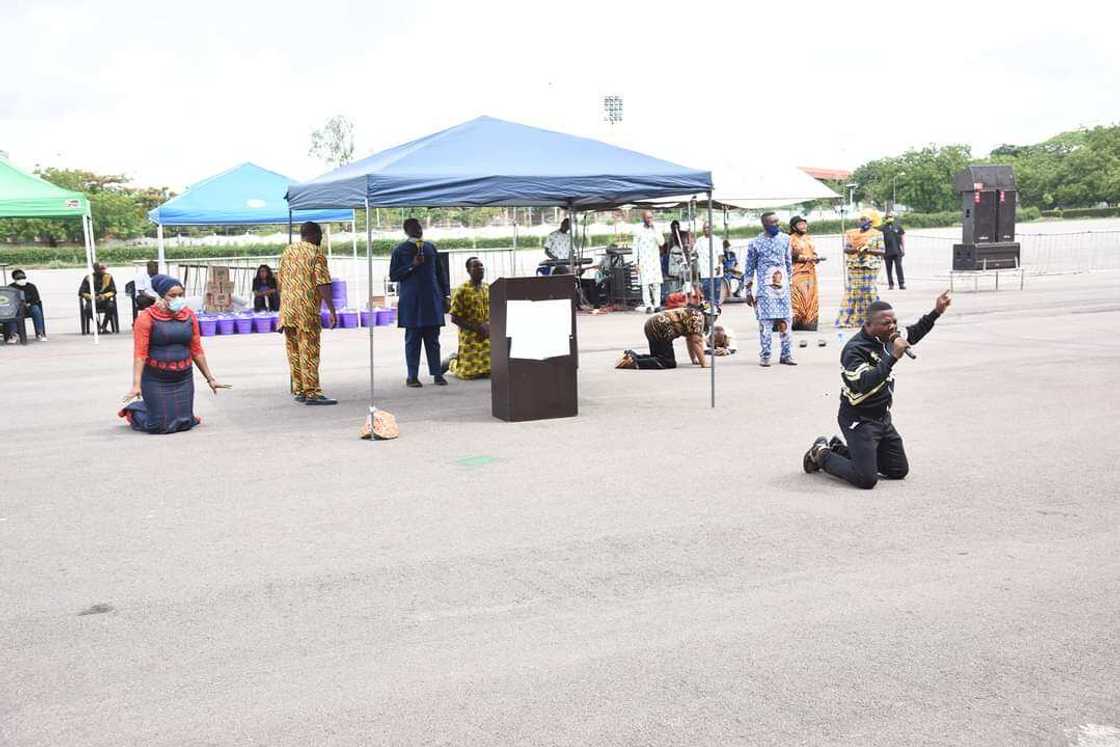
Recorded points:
(773, 230)
(864, 225)
(177, 304)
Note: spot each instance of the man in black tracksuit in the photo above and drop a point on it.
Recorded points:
(874, 447)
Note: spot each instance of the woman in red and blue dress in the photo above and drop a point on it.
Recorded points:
(166, 347)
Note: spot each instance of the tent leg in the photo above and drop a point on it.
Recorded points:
(289, 226)
(369, 304)
(714, 302)
(330, 250)
(356, 304)
(162, 254)
(87, 238)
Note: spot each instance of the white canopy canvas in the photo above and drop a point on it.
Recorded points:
(744, 186)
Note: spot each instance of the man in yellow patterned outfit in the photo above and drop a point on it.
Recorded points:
(305, 282)
(470, 312)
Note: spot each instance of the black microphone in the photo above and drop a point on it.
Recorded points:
(909, 353)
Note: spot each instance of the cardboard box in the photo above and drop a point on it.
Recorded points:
(218, 273)
(219, 286)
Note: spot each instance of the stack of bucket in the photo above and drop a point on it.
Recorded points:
(245, 323)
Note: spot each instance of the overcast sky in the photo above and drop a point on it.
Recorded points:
(170, 93)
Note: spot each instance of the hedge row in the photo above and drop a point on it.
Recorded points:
(1112, 212)
(123, 254)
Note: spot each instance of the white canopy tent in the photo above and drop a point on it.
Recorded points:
(743, 186)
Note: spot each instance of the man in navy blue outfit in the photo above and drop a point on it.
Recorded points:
(424, 299)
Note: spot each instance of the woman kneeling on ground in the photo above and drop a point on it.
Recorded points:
(165, 342)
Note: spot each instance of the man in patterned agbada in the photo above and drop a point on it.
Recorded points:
(305, 284)
(470, 312)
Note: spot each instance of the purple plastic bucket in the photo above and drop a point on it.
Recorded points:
(325, 319)
(225, 326)
(348, 319)
(244, 325)
(207, 327)
(262, 324)
(273, 322)
(392, 315)
(369, 318)
(384, 317)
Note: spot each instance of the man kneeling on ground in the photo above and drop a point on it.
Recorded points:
(868, 360)
(470, 312)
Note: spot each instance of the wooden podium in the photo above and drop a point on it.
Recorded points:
(532, 373)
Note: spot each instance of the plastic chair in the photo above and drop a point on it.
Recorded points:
(11, 310)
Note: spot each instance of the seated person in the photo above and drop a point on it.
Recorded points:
(470, 312)
(104, 296)
(732, 273)
(143, 283)
(689, 322)
(32, 307)
(266, 291)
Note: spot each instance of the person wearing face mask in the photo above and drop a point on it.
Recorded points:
(770, 263)
(894, 239)
(32, 307)
(803, 287)
(863, 250)
(166, 348)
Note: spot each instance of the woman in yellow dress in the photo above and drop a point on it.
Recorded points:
(863, 252)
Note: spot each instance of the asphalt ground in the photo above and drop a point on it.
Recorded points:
(652, 571)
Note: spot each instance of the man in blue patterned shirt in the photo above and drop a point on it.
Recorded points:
(770, 263)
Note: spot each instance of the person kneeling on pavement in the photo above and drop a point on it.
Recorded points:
(689, 322)
(868, 361)
(470, 312)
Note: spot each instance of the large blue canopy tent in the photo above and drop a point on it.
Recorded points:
(489, 162)
(245, 195)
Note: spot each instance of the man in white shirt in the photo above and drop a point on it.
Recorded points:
(711, 283)
(647, 259)
(558, 244)
(143, 280)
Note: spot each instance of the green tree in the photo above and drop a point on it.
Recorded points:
(333, 143)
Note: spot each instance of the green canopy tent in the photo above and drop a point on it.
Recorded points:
(24, 195)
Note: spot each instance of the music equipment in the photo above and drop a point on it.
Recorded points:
(989, 196)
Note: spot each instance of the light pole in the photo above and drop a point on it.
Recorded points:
(894, 188)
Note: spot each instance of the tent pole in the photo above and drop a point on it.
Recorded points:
(715, 301)
(369, 306)
(354, 263)
(289, 225)
(162, 255)
(513, 255)
(88, 241)
(330, 250)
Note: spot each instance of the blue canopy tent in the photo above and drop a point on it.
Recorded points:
(489, 162)
(246, 195)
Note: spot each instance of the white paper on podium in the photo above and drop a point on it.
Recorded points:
(539, 329)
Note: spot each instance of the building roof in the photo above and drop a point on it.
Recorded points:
(831, 175)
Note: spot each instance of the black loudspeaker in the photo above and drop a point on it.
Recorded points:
(988, 200)
(995, 256)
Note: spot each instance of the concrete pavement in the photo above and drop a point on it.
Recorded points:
(649, 572)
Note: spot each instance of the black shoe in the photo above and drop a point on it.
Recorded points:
(440, 381)
(890, 287)
(838, 446)
(788, 362)
(413, 383)
(445, 364)
(902, 287)
(813, 458)
(319, 399)
(300, 398)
